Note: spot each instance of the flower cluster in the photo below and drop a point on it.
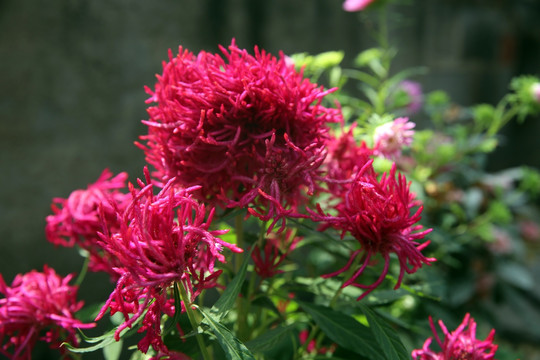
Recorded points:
(76, 220)
(38, 306)
(458, 344)
(237, 130)
(250, 130)
(163, 241)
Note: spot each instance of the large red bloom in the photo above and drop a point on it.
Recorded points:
(378, 214)
(249, 129)
(458, 344)
(76, 219)
(163, 240)
(38, 306)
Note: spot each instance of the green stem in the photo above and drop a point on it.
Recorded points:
(193, 320)
(502, 117)
(244, 304)
(84, 270)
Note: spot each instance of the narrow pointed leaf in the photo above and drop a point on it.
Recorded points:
(234, 349)
(227, 299)
(385, 336)
(269, 339)
(113, 350)
(345, 330)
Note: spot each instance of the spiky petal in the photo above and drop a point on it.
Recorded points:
(458, 344)
(76, 220)
(379, 214)
(163, 240)
(38, 306)
(250, 130)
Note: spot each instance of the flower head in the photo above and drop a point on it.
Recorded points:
(377, 213)
(459, 344)
(390, 138)
(38, 306)
(249, 130)
(413, 92)
(163, 240)
(356, 5)
(76, 219)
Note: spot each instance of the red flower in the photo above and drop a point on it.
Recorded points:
(76, 219)
(38, 306)
(345, 159)
(249, 129)
(163, 239)
(377, 213)
(459, 344)
(277, 247)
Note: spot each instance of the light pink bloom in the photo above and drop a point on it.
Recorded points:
(390, 138)
(535, 90)
(38, 306)
(459, 344)
(378, 214)
(530, 230)
(163, 240)
(413, 90)
(356, 5)
(76, 220)
(250, 130)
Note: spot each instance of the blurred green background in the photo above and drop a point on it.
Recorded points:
(72, 75)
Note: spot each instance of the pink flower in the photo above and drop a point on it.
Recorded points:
(377, 213)
(163, 240)
(390, 138)
(76, 219)
(277, 247)
(535, 90)
(529, 230)
(38, 306)
(356, 5)
(249, 129)
(413, 90)
(459, 344)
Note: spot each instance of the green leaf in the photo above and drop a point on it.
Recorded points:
(385, 336)
(270, 339)
(515, 274)
(113, 350)
(345, 330)
(227, 299)
(234, 349)
(106, 340)
(101, 341)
